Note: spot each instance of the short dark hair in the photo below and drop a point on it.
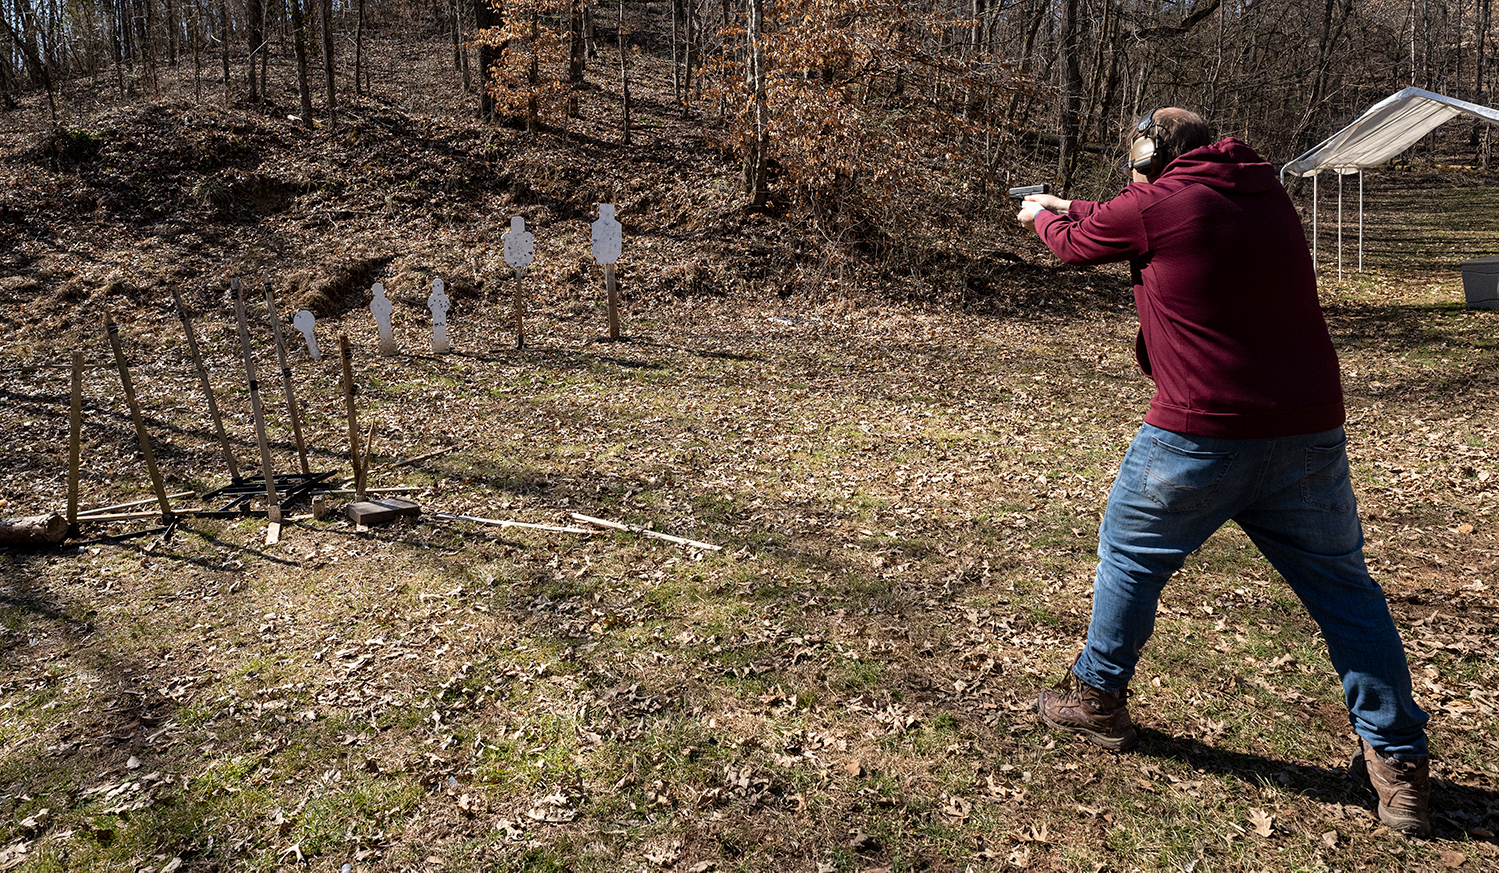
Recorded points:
(1178, 131)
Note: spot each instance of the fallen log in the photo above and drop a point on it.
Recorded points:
(407, 462)
(33, 530)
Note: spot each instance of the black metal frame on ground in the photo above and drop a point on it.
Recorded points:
(291, 487)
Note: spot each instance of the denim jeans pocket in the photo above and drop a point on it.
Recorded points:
(1326, 484)
(1184, 480)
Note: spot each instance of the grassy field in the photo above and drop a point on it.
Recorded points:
(907, 502)
(906, 497)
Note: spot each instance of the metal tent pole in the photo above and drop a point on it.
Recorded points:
(1314, 220)
(1361, 220)
(1340, 224)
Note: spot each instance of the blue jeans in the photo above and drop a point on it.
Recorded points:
(1293, 497)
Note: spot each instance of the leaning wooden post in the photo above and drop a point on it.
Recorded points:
(213, 406)
(291, 396)
(75, 442)
(273, 503)
(520, 252)
(608, 242)
(347, 354)
(113, 330)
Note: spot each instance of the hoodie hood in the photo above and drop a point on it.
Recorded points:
(1227, 165)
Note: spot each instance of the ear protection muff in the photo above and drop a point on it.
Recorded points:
(1145, 147)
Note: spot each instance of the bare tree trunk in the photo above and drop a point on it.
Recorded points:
(576, 51)
(327, 14)
(624, 75)
(299, 43)
(1413, 41)
(171, 24)
(676, 63)
(1485, 10)
(254, 32)
(23, 35)
(148, 51)
(1110, 99)
(1481, 138)
(197, 55)
(533, 74)
(1332, 29)
(117, 45)
(485, 18)
(7, 86)
(265, 48)
(691, 35)
(224, 44)
(590, 38)
(122, 22)
(757, 147)
(1072, 92)
(1026, 53)
(453, 29)
(359, 54)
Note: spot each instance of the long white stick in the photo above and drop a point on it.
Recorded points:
(635, 528)
(101, 509)
(500, 522)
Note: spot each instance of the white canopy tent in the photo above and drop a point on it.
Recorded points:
(1385, 130)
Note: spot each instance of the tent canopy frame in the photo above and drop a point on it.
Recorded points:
(1383, 131)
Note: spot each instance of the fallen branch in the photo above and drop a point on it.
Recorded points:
(406, 462)
(635, 528)
(500, 522)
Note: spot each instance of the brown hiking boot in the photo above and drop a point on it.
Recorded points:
(1099, 717)
(1403, 787)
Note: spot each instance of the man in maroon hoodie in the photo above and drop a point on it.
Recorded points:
(1245, 425)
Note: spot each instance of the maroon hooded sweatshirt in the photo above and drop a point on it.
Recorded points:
(1230, 326)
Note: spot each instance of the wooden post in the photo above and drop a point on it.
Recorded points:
(213, 406)
(75, 442)
(520, 309)
(273, 504)
(291, 397)
(613, 301)
(347, 354)
(113, 330)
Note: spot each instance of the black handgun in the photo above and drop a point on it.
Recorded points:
(1025, 191)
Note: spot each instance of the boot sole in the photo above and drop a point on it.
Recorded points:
(1122, 743)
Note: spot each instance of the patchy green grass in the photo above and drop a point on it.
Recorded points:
(907, 502)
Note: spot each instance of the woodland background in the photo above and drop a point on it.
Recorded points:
(855, 104)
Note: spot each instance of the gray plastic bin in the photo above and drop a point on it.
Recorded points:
(1481, 282)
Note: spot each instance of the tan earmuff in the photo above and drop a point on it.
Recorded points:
(1144, 148)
